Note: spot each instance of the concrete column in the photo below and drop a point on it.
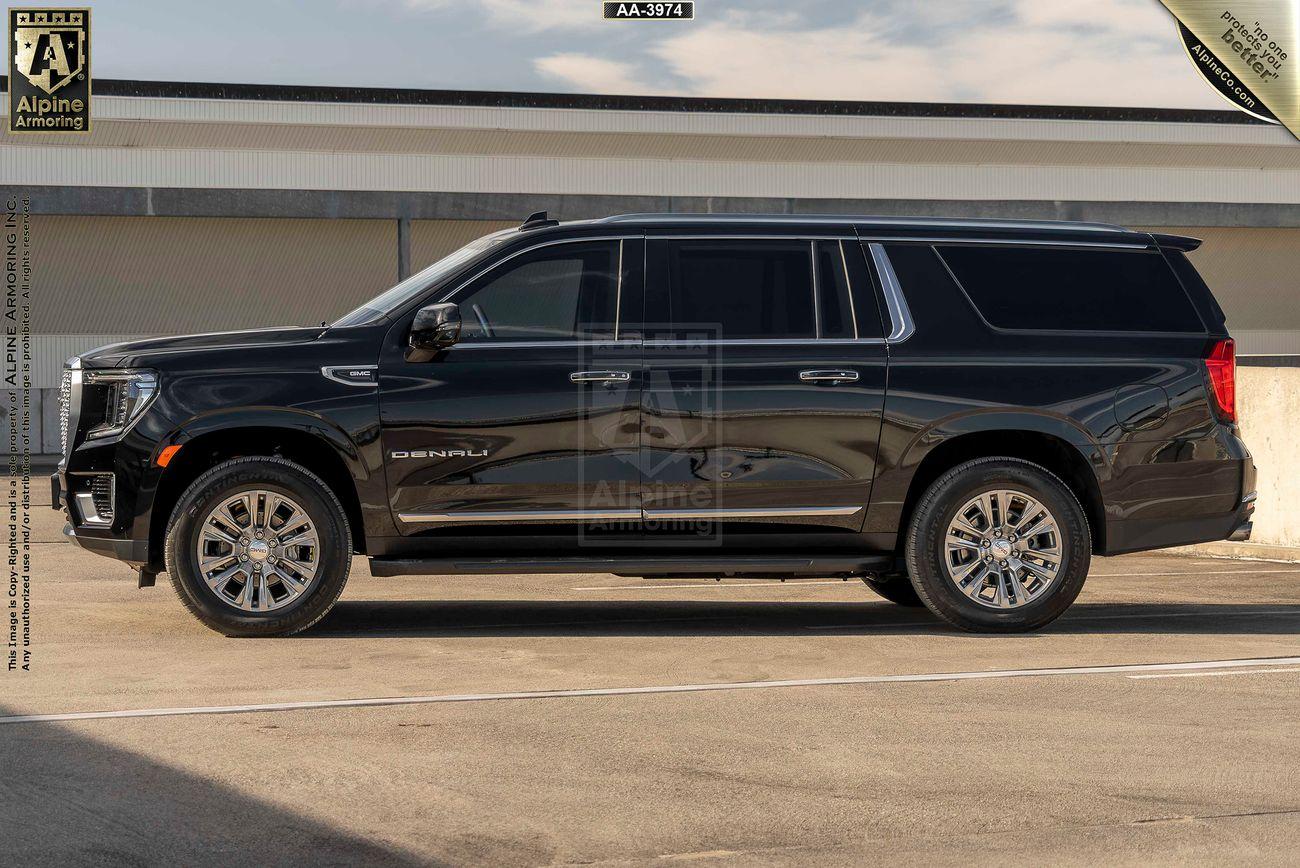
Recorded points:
(403, 248)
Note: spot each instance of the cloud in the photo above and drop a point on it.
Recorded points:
(530, 16)
(594, 74)
(1111, 52)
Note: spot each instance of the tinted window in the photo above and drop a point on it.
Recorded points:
(840, 265)
(834, 305)
(737, 289)
(1195, 286)
(1073, 289)
(559, 292)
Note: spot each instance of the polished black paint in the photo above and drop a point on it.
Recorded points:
(1131, 411)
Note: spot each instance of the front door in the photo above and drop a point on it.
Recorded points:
(765, 384)
(532, 417)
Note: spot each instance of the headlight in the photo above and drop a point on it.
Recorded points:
(119, 396)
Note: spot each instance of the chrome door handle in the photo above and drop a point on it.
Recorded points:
(599, 377)
(828, 376)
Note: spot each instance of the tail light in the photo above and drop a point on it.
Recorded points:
(1221, 364)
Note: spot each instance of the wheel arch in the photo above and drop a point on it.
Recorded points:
(1061, 449)
(324, 451)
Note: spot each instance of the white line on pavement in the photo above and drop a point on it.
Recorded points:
(1124, 616)
(1194, 573)
(1208, 674)
(633, 691)
(773, 583)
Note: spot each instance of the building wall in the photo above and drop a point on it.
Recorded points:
(153, 275)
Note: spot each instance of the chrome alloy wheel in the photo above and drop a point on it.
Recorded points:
(258, 550)
(1003, 549)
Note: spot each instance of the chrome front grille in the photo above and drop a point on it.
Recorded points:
(65, 402)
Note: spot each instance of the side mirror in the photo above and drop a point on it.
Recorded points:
(435, 328)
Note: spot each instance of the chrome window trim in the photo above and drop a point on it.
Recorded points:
(853, 311)
(621, 342)
(756, 342)
(817, 311)
(901, 325)
(712, 236)
(618, 292)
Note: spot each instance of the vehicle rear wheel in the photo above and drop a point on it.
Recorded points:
(998, 545)
(258, 546)
(894, 587)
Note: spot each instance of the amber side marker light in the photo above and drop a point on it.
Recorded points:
(1221, 365)
(165, 457)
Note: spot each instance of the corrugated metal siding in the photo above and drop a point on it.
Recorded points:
(433, 239)
(127, 167)
(627, 146)
(1255, 273)
(49, 352)
(142, 275)
(224, 111)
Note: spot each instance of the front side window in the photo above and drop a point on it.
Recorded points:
(557, 292)
(382, 305)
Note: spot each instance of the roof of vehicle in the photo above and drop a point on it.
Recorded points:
(945, 223)
(898, 227)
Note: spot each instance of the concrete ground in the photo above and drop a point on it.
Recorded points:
(1159, 765)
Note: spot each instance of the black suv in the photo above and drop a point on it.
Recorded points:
(959, 412)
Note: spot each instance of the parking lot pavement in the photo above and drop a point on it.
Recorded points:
(532, 737)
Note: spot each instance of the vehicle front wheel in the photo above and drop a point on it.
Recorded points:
(998, 545)
(258, 546)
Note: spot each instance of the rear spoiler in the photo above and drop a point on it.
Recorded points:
(1177, 242)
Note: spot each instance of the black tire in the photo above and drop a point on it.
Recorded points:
(896, 588)
(276, 475)
(925, 548)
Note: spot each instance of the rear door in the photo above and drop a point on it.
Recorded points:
(765, 382)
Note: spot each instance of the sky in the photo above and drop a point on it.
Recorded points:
(1073, 52)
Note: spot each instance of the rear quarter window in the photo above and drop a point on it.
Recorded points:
(1073, 289)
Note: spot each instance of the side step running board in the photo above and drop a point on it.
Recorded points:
(656, 567)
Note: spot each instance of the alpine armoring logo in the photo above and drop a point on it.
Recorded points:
(49, 71)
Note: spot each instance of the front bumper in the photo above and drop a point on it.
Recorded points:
(101, 541)
(134, 552)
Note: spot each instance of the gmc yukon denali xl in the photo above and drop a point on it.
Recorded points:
(959, 412)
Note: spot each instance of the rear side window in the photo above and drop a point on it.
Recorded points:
(845, 299)
(757, 289)
(738, 289)
(1195, 286)
(1059, 289)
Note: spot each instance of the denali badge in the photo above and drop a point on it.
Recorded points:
(440, 453)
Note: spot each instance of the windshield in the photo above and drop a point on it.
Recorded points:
(381, 305)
